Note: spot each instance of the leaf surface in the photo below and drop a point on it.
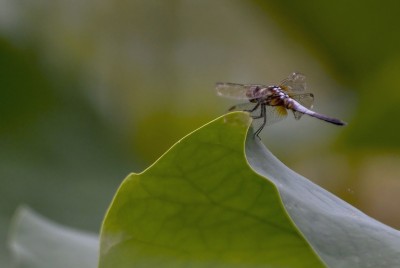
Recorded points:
(201, 205)
(342, 235)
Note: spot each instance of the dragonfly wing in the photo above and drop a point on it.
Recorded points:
(297, 115)
(275, 114)
(295, 82)
(306, 100)
(235, 91)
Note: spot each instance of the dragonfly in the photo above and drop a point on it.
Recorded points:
(273, 102)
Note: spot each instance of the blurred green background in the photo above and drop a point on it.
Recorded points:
(93, 90)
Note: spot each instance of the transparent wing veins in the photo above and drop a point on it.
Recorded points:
(295, 82)
(235, 91)
(306, 100)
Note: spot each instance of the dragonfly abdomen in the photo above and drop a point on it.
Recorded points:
(291, 104)
(297, 107)
(327, 118)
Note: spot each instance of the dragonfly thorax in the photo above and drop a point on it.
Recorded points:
(263, 94)
(271, 95)
(256, 93)
(279, 93)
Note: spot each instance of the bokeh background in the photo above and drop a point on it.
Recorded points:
(93, 90)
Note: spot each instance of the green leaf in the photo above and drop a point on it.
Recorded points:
(342, 235)
(37, 242)
(201, 205)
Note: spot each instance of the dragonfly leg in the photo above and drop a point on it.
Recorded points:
(237, 107)
(264, 116)
(253, 109)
